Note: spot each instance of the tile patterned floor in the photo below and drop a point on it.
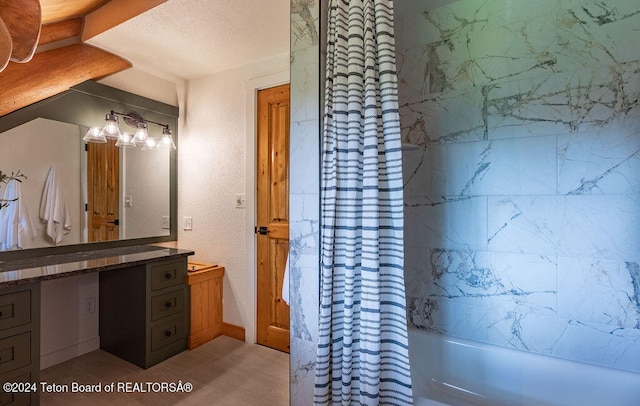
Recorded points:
(223, 372)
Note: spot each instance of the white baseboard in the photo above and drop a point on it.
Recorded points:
(65, 354)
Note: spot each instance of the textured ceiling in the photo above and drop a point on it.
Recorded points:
(188, 39)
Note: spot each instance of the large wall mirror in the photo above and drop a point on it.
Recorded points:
(134, 188)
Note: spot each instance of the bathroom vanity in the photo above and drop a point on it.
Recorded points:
(144, 311)
(144, 315)
(143, 299)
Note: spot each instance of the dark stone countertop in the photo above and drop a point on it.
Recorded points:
(31, 270)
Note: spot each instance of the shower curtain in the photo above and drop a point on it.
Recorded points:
(362, 352)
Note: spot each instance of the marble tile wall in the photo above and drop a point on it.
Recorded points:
(304, 196)
(523, 198)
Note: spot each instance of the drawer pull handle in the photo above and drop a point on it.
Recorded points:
(168, 304)
(0, 314)
(167, 275)
(167, 333)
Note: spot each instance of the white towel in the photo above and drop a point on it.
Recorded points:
(285, 283)
(17, 225)
(54, 210)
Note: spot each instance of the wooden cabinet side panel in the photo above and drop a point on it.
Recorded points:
(206, 307)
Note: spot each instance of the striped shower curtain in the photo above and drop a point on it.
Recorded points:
(362, 353)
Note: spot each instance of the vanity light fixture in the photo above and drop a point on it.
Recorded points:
(111, 130)
(150, 143)
(167, 139)
(142, 133)
(126, 140)
(96, 135)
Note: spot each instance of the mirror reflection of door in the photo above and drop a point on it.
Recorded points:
(103, 189)
(273, 216)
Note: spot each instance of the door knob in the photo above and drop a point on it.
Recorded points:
(262, 230)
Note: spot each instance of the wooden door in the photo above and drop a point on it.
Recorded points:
(273, 216)
(103, 189)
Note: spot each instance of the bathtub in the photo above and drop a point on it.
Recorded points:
(456, 372)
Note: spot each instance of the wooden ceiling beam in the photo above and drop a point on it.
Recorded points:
(59, 10)
(113, 13)
(62, 30)
(54, 71)
(23, 19)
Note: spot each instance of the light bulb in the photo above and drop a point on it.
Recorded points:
(111, 130)
(166, 141)
(141, 135)
(150, 143)
(125, 141)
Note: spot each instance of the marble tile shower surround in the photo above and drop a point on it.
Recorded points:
(523, 200)
(304, 195)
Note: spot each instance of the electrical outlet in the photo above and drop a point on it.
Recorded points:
(89, 305)
(165, 222)
(188, 223)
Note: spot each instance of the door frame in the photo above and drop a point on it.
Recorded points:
(251, 110)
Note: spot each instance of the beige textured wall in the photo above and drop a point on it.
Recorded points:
(212, 161)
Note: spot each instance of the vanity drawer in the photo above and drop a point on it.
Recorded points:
(169, 274)
(167, 332)
(167, 304)
(15, 309)
(15, 352)
(16, 398)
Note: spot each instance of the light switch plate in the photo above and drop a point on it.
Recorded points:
(128, 202)
(165, 223)
(241, 201)
(188, 223)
